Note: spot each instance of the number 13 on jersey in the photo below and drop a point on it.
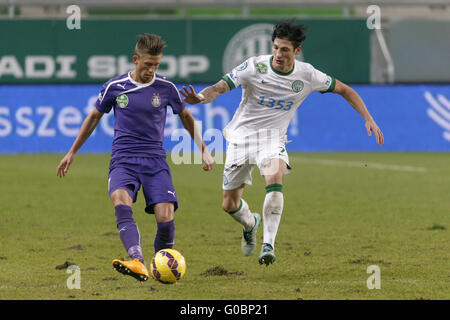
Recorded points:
(279, 104)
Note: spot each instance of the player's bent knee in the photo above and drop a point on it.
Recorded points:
(276, 178)
(232, 199)
(121, 197)
(164, 211)
(274, 172)
(230, 205)
(225, 206)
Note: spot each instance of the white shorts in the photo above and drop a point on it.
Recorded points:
(240, 161)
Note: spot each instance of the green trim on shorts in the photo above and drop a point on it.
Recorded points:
(240, 207)
(274, 187)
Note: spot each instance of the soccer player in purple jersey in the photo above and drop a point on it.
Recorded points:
(140, 99)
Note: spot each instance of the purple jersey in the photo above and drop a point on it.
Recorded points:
(139, 113)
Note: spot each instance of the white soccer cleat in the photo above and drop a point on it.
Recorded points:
(266, 256)
(248, 243)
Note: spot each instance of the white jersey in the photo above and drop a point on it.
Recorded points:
(270, 98)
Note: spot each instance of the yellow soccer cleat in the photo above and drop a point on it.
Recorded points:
(134, 268)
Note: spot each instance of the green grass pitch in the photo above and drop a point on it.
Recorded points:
(343, 213)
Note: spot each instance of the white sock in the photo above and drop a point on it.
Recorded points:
(244, 216)
(272, 210)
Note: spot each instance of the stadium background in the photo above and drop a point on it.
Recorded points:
(349, 203)
(51, 76)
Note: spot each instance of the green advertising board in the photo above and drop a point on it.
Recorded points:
(199, 50)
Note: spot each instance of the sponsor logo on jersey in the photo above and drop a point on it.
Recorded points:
(156, 100)
(122, 100)
(265, 82)
(261, 67)
(297, 85)
(121, 85)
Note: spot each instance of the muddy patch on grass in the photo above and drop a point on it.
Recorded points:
(65, 265)
(77, 247)
(221, 271)
(90, 269)
(369, 261)
(437, 227)
(110, 279)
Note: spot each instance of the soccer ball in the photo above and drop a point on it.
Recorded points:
(168, 266)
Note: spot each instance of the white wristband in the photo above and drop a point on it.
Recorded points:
(201, 96)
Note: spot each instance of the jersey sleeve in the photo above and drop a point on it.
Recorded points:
(239, 75)
(322, 82)
(175, 100)
(105, 100)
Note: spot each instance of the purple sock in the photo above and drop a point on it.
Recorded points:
(129, 232)
(165, 235)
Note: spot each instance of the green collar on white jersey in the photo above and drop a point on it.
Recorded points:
(281, 73)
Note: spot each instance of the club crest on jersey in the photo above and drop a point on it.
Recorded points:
(261, 67)
(297, 85)
(122, 100)
(156, 100)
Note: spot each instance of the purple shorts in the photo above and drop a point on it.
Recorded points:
(153, 173)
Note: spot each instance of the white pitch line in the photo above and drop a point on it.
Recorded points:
(359, 164)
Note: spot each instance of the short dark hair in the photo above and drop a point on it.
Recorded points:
(295, 33)
(151, 44)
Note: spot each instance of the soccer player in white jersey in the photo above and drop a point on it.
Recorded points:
(273, 87)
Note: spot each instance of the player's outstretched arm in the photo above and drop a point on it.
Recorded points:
(86, 130)
(188, 122)
(207, 95)
(357, 103)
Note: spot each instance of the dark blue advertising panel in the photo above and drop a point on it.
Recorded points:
(47, 118)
